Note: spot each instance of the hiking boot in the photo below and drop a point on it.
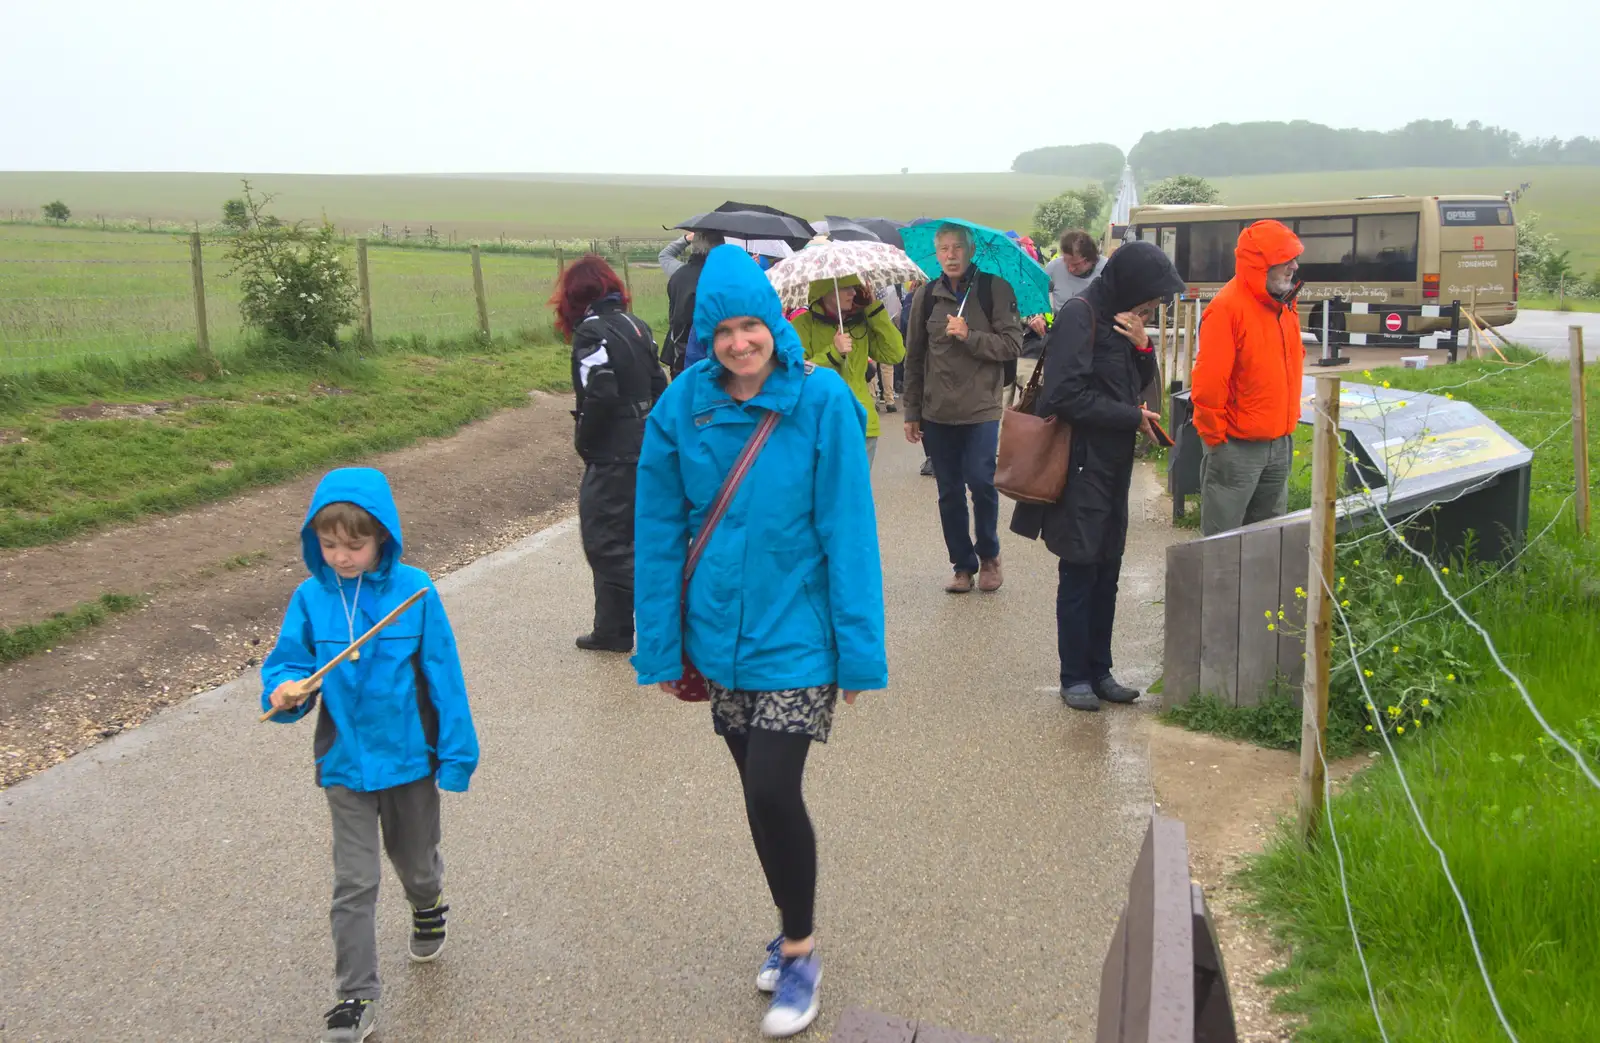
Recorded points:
(794, 1007)
(767, 976)
(890, 407)
(960, 583)
(427, 931)
(595, 643)
(989, 576)
(927, 467)
(1080, 697)
(1108, 689)
(351, 1021)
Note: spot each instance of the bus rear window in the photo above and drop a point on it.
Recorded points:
(1474, 215)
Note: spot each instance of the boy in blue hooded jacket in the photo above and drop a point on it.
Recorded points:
(393, 724)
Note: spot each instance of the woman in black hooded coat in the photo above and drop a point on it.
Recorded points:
(1096, 365)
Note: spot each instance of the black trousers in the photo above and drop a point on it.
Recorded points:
(605, 517)
(1086, 608)
(771, 768)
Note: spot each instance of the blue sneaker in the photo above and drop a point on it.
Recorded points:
(767, 976)
(794, 1008)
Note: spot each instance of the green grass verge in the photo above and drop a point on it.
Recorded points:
(1551, 304)
(1519, 824)
(270, 417)
(29, 638)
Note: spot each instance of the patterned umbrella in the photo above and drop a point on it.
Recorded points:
(876, 264)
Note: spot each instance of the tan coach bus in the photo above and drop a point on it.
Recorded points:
(1376, 250)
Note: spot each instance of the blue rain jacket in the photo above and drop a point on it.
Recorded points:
(399, 713)
(789, 593)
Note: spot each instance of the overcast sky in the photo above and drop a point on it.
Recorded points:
(751, 87)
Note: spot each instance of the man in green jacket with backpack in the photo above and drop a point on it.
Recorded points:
(962, 330)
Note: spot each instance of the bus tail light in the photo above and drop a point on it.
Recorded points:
(1430, 287)
(1516, 285)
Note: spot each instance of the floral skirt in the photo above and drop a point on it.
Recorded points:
(798, 711)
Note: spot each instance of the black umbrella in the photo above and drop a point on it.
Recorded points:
(884, 228)
(843, 230)
(752, 221)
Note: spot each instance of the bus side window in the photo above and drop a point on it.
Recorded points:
(1208, 254)
(1386, 248)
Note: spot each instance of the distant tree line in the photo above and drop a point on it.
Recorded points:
(1227, 149)
(1098, 162)
(1283, 148)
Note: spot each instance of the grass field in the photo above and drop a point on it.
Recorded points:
(106, 441)
(1567, 199)
(67, 293)
(533, 206)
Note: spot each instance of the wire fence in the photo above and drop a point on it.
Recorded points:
(70, 294)
(1361, 661)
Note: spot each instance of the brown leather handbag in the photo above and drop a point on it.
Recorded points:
(1034, 450)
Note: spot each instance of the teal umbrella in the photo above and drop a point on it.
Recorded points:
(993, 252)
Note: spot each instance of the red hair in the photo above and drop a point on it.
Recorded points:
(585, 281)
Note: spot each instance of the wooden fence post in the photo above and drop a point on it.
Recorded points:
(627, 277)
(477, 288)
(1161, 358)
(1580, 429)
(561, 263)
(202, 333)
(366, 288)
(1326, 466)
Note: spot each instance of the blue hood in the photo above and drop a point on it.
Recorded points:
(732, 284)
(368, 489)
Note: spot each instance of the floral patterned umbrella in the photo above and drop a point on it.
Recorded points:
(876, 264)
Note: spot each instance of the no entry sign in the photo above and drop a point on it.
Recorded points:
(1392, 323)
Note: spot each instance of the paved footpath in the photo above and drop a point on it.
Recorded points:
(976, 836)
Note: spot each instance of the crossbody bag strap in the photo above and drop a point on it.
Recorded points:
(730, 486)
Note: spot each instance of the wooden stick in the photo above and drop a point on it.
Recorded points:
(311, 682)
(1481, 328)
(1580, 428)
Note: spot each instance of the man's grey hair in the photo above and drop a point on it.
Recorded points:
(704, 242)
(961, 231)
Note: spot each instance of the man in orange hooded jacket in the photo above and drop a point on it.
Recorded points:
(1246, 391)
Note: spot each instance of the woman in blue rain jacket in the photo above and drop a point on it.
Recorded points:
(785, 609)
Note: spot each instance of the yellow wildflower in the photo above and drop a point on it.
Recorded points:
(1299, 592)
(1344, 604)
(1400, 729)
(1395, 649)
(1445, 571)
(1367, 673)
(1449, 394)
(1369, 727)
(1367, 373)
(1399, 579)
(1272, 626)
(1425, 702)
(1268, 613)
(1449, 677)
(1386, 384)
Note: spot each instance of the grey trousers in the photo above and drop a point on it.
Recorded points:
(872, 451)
(409, 816)
(1243, 482)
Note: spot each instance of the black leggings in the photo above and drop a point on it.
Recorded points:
(771, 766)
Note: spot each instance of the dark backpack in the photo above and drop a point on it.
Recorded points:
(985, 289)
